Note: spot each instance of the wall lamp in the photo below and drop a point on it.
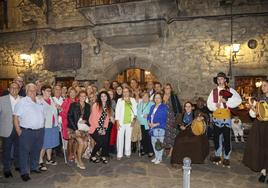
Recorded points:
(235, 49)
(26, 59)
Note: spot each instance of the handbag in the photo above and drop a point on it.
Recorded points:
(136, 131)
(159, 145)
(82, 126)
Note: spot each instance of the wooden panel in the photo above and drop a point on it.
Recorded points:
(65, 81)
(4, 83)
(62, 56)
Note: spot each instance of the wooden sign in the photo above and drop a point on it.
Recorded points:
(59, 57)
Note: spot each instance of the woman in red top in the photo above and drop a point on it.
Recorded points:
(64, 112)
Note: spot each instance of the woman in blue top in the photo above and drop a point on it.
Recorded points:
(157, 119)
(143, 110)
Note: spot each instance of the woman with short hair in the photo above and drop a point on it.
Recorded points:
(51, 136)
(157, 119)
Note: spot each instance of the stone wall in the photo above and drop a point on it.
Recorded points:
(188, 55)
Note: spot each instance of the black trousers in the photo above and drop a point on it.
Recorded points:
(146, 141)
(225, 143)
(101, 143)
(11, 142)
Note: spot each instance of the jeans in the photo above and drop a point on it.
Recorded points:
(158, 134)
(11, 144)
(30, 145)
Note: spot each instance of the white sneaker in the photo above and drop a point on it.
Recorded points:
(157, 162)
(154, 160)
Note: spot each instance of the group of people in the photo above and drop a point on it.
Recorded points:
(37, 118)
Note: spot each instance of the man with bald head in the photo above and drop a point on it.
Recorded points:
(29, 123)
(7, 130)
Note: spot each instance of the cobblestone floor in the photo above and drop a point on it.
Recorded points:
(139, 172)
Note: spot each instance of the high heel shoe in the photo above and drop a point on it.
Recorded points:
(104, 160)
(94, 159)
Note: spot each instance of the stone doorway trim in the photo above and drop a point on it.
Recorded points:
(121, 64)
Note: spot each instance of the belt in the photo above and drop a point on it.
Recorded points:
(23, 128)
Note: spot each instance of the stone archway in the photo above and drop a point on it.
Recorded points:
(121, 64)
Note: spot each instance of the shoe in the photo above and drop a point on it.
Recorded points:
(142, 153)
(94, 160)
(154, 160)
(8, 174)
(118, 158)
(262, 179)
(51, 162)
(42, 167)
(25, 177)
(216, 160)
(157, 162)
(81, 166)
(36, 171)
(226, 163)
(150, 155)
(128, 156)
(104, 160)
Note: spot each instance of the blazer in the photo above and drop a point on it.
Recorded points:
(94, 118)
(6, 121)
(120, 109)
(74, 114)
(160, 116)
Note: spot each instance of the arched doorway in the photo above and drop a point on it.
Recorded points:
(141, 75)
(145, 68)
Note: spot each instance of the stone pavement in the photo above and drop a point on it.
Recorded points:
(139, 172)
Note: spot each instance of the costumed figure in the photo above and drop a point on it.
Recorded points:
(256, 152)
(221, 100)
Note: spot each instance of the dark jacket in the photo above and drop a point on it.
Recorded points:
(176, 105)
(74, 114)
(179, 119)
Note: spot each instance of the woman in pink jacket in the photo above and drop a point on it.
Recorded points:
(63, 113)
(98, 120)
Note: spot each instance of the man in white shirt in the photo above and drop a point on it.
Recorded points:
(220, 101)
(29, 123)
(7, 130)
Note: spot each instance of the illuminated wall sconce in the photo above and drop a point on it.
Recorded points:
(26, 59)
(235, 47)
(97, 48)
(258, 84)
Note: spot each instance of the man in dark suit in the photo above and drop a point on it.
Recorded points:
(7, 130)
